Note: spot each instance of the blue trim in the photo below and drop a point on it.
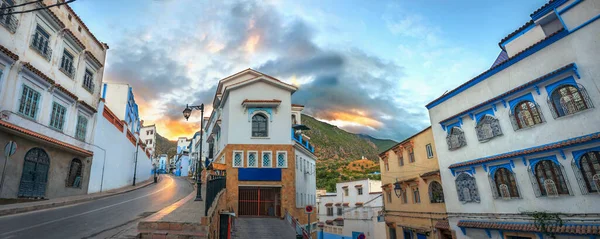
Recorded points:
(268, 110)
(488, 232)
(561, 20)
(579, 153)
(480, 115)
(570, 6)
(514, 102)
(547, 9)
(522, 32)
(537, 89)
(450, 126)
(533, 49)
(562, 153)
(495, 168)
(464, 230)
(104, 91)
(470, 171)
(524, 160)
(504, 103)
(566, 81)
(259, 174)
(533, 162)
(585, 23)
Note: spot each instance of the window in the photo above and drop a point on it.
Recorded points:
(387, 165)
(282, 159)
(81, 128)
(345, 191)
(252, 160)
(466, 188)
(526, 114)
(57, 118)
(238, 159)
(429, 151)
(487, 128)
(411, 155)
(294, 121)
(404, 196)
(74, 178)
(436, 193)
(389, 196)
(29, 102)
(8, 20)
(66, 64)
(589, 167)
(339, 210)
(40, 42)
(266, 159)
(456, 138)
(88, 84)
(359, 190)
(416, 195)
(504, 184)
(569, 99)
(400, 157)
(259, 126)
(329, 211)
(549, 179)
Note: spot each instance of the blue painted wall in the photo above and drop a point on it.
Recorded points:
(259, 174)
(325, 235)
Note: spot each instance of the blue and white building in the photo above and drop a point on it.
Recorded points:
(120, 99)
(524, 136)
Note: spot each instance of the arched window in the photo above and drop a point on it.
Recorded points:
(456, 138)
(259, 126)
(550, 179)
(487, 128)
(74, 178)
(526, 114)
(436, 193)
(506, 185)
(466, 188)
(590, 169)
(569, 99)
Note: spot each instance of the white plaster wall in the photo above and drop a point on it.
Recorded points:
(145, 136)
(580, 47)
(306, 181)
(580, 13)
(529, 38)
(239, 128)
(116, 98)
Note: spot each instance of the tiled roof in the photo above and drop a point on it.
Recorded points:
(38, 72)
(338, 204)
(70, 33)
(345, 186)
(84, 26)
(67, 92)
(442, 224)
(9, 53)
(358, 204)
(542, 7)
(537, 149)
(54, 17)
(89, 54)
(503, 56)
(403, 141)
(523, 86)
(297, 105)
(358, 186)
(577, 229)
(432, 173)
(86, 105)
(218, 166)
(499, 65)
(260, 101)
(329, 204)
(346, 204)
(7, 125)
(529, 23)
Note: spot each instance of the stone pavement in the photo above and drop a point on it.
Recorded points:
(63, 201)
(263, 228)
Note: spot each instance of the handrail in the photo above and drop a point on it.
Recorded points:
(298, 138)
(214, 185)
(296, 224)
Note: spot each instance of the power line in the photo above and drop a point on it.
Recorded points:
(37, 9)
(18, 5)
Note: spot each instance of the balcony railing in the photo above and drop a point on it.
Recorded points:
(69, 70)
(10, 22)
(214, 185)
(298, 138)
(41, 44)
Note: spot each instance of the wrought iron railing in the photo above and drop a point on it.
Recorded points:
(41, 44)
(214, 185)
(526, 118)
(300, 230)
(298, 138)
(8, 20)
(570, 104)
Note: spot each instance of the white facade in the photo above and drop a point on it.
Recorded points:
(120, 99)
(567, 58)
(306, 180)
(352, 209)
(148, 137)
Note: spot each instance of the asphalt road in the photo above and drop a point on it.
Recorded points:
(99, 218)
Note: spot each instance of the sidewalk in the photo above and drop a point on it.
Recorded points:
(58, 202)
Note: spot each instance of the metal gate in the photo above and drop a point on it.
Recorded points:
(257, 201)
(35, 174)
(224, 226)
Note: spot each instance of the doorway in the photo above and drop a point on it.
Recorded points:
(259, 201)
(35, 174)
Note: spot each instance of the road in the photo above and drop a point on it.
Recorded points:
(100, 218)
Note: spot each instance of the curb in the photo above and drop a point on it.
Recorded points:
(11, 211)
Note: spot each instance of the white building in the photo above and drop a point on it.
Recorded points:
(50, 68)
(352, 210)
(148, 137)
(120, 99)
(524, 135)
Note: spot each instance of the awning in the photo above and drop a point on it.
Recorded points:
(346, 204)
(300, 127)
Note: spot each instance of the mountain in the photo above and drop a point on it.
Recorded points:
(337, 149)
(165, 146)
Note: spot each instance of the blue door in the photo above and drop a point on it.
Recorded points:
(421, 236)
(355, 235)
(407, 234)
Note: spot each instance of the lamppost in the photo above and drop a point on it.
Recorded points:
(186, 113)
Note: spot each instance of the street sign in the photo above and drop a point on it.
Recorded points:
(10, 148)
(362, 236)
(308, 209)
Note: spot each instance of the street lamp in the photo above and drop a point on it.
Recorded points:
(186, 113)
(397, 189)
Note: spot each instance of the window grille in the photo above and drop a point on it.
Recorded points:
(88, 84)
(75, 172)
(526, 114)
(57, 119)
(259, 126)
(505, 177)
(252, 162)
(550, 187)
(588, 171)
(456, 139)
(82, 128)
(568, 100)
(466, 184)
(40, 42)
(66, 64)
(281, 160)
(429, 151)
(488, 128)
(238, 159)
(547, 175)
(504, 192)
(29, 102)
(7, 19)
(436, 193)
(266, 159)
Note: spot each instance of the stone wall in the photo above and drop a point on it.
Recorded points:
(214, 213)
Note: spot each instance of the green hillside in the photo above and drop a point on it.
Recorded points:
(165, 146)
(382, 144)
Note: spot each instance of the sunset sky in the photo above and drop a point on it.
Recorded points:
(366, 66)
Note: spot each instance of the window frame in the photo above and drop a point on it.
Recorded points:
(359, 190)
(262, 164)
(539, 186)
(78, 130)
(92, 86)
(285, 153)
(530, 108)
(580, 91)
(432, 197)
(416, 195)
(37, 107)
(503, 175)
(67, 65)
(429, 150)
(473, 192)
(71, 183)
(460, 137)
(491, 120)
(63, 119)
(258, 133)
(241, 165)
(255, 153)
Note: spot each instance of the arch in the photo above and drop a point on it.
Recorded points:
(547, 174)
(466, 187)
(526, 114)
(568, 99)
(436, 192)
(487, 128)
(75, 173)
(455, 138)
(260, 125)
(589, 165)
(506, 184)
(34, 176)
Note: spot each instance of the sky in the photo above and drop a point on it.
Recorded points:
(365, 66)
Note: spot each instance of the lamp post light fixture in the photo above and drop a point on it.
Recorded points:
(397, 189)
(186, 113)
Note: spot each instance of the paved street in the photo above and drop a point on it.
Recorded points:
(264, 228)
(96, 219)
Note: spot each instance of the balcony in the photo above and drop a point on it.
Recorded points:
(10, 22)
(304, 142)
(40, 43)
